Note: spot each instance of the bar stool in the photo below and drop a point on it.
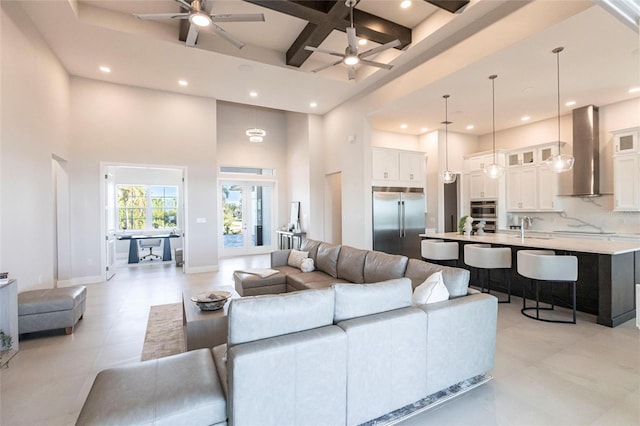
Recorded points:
(483, 256)
(440, 251)
(544, 266)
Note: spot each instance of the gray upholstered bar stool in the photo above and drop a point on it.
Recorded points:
(483, 256)
(440, 251)
(543, 266)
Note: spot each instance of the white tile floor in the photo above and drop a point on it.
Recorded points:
(546, 374)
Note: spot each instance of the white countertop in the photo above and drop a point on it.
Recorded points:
(583, 245)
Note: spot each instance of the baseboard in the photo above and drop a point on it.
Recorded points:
(199, 269)
(93, 279)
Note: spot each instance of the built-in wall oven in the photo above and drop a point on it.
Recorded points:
(486, 211)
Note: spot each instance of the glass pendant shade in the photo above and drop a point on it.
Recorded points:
(494, 170)
(448, 176)
(561, 162)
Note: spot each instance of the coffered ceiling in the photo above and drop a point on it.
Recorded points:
(451, 53)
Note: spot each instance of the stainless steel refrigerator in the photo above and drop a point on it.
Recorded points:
(398, 219)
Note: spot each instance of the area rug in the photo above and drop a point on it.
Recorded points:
(429, 402)
(165, 335)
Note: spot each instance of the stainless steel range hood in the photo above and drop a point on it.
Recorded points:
(586, 151)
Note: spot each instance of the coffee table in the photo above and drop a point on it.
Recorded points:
(205, 329)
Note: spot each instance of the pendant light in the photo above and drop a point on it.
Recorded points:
(256, 134)
(447, 176)
(561, 162)
(494, 170)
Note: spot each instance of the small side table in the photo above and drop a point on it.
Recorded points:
(205, 329)
(289, 239)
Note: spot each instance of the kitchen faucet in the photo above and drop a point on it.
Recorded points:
(525, 220)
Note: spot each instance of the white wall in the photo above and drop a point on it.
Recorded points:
(34, 125)
(122, 124)
(234, 148)
(298, 158)
(392, 140)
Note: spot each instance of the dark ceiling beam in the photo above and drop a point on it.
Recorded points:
(325, 16)
(449, 5)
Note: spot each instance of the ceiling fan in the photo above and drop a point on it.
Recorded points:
(351, 57)
(200, 18)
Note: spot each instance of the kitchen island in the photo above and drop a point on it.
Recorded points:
(607, 270)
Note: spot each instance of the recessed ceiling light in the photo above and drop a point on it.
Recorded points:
(570, 103)
(470, 126)
(362, 41)
(405, 4)
(424, 129)
(183, 83)
(403, 126)
(253, 94)
(313, 104)
(525, 118)
(634, 90)
(105, 69)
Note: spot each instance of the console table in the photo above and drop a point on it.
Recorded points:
(205, 329)
(133, 245)
(289, 239)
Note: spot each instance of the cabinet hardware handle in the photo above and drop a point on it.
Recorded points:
(386, 175)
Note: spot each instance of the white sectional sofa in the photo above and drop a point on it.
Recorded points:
(343, 353)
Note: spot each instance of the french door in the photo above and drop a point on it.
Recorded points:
(248, 217)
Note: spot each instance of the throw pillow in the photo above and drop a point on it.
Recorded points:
(307, 265)
(296, 257)
(432, 290)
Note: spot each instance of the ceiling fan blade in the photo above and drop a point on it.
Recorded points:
(376, 64)
(351, 72)
(150, 16)
(192, 36)
(183, 4)
(380, 48)
(328, 52)
(351, 37)
(231, 39)
(238, 17)
(324, 67)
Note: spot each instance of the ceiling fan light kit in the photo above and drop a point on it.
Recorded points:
(200, 19)
(559, 163)
(494, 170)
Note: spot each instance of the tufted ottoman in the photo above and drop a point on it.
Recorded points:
(51, 309)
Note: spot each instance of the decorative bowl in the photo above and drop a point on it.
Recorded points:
(211, 300)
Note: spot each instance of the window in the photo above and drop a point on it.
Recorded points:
(143, 207)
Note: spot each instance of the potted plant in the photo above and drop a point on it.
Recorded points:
(461, 223)
(5, 347)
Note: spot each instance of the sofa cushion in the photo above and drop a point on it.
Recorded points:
(379, 266)
(296, 257)
(327, 258)
(455, 279)
(307, 265)
(261, 317)
(358, 300)
(311, 246)
(432, 290)
(351, 264)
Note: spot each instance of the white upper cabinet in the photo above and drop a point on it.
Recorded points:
(411, 168)
(531, 186)
(626, 141)
(626, 182)
(522, 189)
(392, 167)
(482, 187)
(385, 165)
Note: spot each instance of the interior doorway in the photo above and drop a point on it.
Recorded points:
(141, 202)
(247, 211)
(62, 221)
(451, 206)
(333, 208)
